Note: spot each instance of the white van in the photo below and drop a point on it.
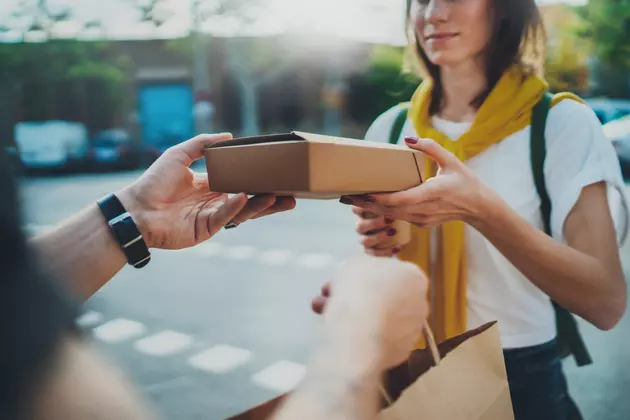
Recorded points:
(51, 144)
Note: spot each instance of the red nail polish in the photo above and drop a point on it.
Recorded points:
(391, 232)
(411, 140)
(396, 250)
(389, 221)
(346, 200)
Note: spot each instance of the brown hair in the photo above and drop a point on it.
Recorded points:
(518, 38)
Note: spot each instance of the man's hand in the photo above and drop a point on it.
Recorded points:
(173, 205)
(375, 314)
(385, 299)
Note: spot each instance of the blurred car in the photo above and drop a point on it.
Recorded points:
(157, 149)
(51, 144)
(608, 110)
(618, 132)
(13, 157)
(113, 148)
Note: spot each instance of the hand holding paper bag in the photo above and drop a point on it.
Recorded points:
(383, 298)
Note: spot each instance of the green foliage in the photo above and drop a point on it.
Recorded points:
(382, 86)
(64, 79)
(607, 25)
(566, 67)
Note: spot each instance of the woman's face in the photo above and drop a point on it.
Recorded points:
(452, 31)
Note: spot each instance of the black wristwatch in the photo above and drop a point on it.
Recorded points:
(125, 231)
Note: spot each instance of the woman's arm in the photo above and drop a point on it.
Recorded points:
(585, 276)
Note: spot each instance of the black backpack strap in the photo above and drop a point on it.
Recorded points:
(569, 338)
(399, 123)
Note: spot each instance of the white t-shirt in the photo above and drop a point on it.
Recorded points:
(578, 155)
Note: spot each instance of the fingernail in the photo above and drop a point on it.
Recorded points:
(389, 221)
(391, 232)
(368, 199)
(411, 140)
(346, 200)
(396, 250)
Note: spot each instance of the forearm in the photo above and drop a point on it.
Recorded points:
(81, 252)
(79, 385)
(341, 383)
(582, 283)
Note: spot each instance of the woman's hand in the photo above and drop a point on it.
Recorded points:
(454, 193)
(378, 234)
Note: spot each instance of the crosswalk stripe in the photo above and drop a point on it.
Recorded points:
(118, 330)
(89, 319)
(220, 359)
(240, 253)
(315, 261)
(275, 256)
(281, 377)
(164, 343)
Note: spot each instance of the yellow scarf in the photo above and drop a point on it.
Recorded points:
(507, 110)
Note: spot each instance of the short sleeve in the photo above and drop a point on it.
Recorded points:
(579, 155)
(381, 128)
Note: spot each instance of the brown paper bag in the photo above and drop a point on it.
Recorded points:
(469, 382)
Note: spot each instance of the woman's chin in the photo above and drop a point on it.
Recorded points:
(442, 58)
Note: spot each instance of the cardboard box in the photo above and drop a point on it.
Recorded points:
(308, 165)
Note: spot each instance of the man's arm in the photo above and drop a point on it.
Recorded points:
(81, 252)
(373, 316)
(173, 208)
(343, 377)
(80, 385)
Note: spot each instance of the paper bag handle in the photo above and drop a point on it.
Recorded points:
(430, 339)
(435, 355)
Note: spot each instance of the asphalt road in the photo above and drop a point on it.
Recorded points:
(207, 332)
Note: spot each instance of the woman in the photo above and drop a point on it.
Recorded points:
(477, 223)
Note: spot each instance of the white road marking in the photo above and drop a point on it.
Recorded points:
(35, 229)
(119, 330)
(89, 319)
(275, 256)
(240, 253)
(208, 249)
(315, 261)
(281, 377)
(164, 343)
(220, 359)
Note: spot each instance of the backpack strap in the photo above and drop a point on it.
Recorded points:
(399, 123)
(569, 338)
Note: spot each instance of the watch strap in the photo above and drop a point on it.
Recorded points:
(125, 231)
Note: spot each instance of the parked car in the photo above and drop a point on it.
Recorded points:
(608, 110)
(618, 132)
(13, 157)
(113, 148)
(51, 144)
(165, 142)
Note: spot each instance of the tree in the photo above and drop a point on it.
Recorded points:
(61, 78)
(606, 24)
(251, 60)
(383, 85)
(567, 52)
